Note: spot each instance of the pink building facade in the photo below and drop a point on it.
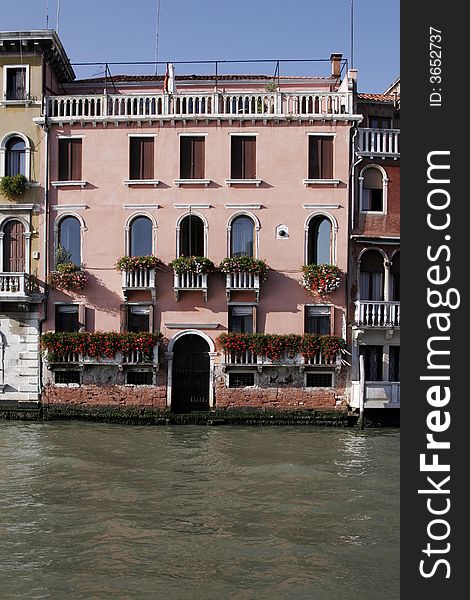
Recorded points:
(228, 167)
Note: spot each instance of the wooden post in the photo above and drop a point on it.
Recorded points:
(361, 391)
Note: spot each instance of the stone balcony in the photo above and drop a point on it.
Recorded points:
(374, 313)
(139, 280)
(190, 282)
(242, 282)
(200, 105)
(381, 143)
(14, 287)
(121, 359)
(249, 359)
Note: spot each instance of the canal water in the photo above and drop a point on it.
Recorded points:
(110, 512)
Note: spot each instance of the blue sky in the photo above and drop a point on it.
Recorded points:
(114, 30)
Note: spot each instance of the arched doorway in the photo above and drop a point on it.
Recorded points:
(190, 374)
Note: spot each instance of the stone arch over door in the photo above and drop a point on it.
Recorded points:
(190, 372)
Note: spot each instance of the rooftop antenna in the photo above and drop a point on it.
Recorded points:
(47, 14)
(57, 17)
(351, 51)
(157, 35)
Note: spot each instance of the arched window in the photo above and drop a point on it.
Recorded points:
(13, 247)
(372, 276)
(372, 190)
(69, 238)
(140, 237)
(242, 237)
(319, 251)
(191, 239)
(395, 277)
(15, 156)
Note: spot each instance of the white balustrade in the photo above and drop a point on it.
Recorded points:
(131, 357)
(379, 142)
(138, 279)
(242, 280)
(14, 284)
(247, 357)
(190, 281)
(372, 313)
(251, 104)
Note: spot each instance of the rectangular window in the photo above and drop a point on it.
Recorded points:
(70, 159)
(67, 377)
(243, 157)
(380, 122)
(192, 157)
(139, 378)
(141, 153)
(138, 317)
(67, 318)
(239, 380)
(373, 361)
(317, 320)
(394, 363)
(320, 157)
(241, 319)
(16, 83)
(319, 380)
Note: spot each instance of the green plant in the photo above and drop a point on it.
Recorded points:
(97, 344)
(13, 186)
(67, 275)
(129, 263)
(320, 279)
(274, 346)
(192, 264)
(243, 264)
(271, 86)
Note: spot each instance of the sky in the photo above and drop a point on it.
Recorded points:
(116, 30)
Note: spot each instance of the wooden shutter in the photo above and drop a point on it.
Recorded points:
(313, 157)
(249, 144)
(332, 320)
(76, 160)
(147, 158)
(151, 317)
(124, 316)
(185, 157)
(14, 247)
(236, 157)
(326, 158)
(198, 157)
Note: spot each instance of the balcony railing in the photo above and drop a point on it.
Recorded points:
(372, 313)
(190, 282)
(377, 394)
(249, 358)
(134, 357)
(242, 281)
(14, 285)
(378, 142)
(139, 279)
(102, 107)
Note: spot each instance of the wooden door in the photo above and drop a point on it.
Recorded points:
(13, 248)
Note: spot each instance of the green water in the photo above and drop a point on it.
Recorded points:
(91, 511)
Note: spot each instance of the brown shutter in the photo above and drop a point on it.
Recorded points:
(134, 158)
(76, 160)
(313, 157)
(185, 157)
(250, 157)
(124, 314)
(236, 157)
(147, 157)
(14, 247)
(255, 314)
(327, 158)
(332, 320)
(198, 157)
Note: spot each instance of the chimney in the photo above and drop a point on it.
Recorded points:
(336, 64)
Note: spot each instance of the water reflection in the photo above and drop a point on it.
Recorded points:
(101, 511)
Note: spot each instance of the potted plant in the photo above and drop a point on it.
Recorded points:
(67, 275)
(192, 264)
(129, 263)
(13, 186)
(320, 279)
(243, 264)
